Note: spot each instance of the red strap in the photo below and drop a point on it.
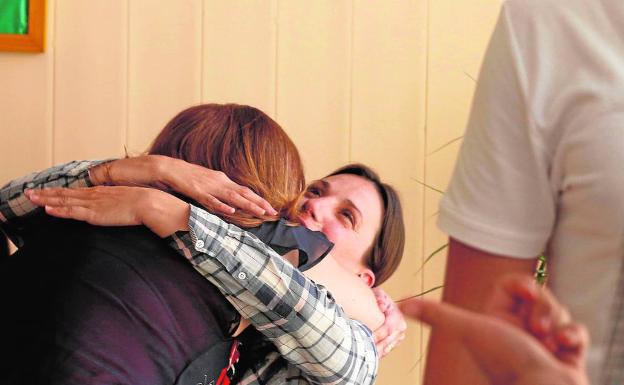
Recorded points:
(223, 378)
(228, 372)
(234, 354)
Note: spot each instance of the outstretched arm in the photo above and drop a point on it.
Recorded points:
(213, 189)
(504, 353)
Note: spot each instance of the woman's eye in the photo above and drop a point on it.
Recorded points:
(314, 191)
(346, 214)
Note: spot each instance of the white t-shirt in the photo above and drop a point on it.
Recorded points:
(542, 164)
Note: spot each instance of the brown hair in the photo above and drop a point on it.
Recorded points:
(387, 250)
(245, 144)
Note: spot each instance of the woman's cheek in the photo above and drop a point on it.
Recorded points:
(333, 233)
(341, 239)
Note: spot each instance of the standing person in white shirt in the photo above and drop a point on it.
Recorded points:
(541, 171)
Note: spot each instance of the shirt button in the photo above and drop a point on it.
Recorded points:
(242, 275)
(199, 244)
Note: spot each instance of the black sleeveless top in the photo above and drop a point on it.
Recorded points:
(93, 305)
(88, 305)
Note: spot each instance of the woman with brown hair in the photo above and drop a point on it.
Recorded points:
(242, 154)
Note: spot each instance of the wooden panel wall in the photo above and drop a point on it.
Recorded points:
(458, 35)
(386, 83)
(387, 130)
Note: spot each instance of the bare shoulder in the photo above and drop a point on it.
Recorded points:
(350, 292)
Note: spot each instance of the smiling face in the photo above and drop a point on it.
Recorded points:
(348, 209)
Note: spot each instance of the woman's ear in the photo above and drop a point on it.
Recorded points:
(368, 277)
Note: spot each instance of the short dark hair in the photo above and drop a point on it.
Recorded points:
(387, 251)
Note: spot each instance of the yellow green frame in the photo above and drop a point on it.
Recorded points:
(34, 40)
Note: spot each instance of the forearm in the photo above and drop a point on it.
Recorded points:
(15, 207)
(448, 363)
(551, 376)
(301, 318)
(142, 171)
(471, 275)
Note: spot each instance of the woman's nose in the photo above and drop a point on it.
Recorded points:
(308, 208)
(315, 208)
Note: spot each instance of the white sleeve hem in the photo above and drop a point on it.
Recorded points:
(488, 238)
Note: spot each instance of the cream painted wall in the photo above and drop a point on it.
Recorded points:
(385, 83)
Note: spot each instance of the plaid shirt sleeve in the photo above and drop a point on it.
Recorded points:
(15, 207)
(300, 317)
(274, 370)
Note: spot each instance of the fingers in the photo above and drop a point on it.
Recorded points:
(534, 308)
(257, 201)
(431, 313)
(61, 202)
(237, 197)
(519, 300)
(216, 205)
(501, 350)
(547, 313)
(385, 346)
(214, 189)
(244, 199)
(55, 197)
(231, 195)
(522, 286)
(537, 304)
(391, 333)
(383, 300)
(380, 334)
(393, 329)
(573, 341)
(510, 294)
(69, 212)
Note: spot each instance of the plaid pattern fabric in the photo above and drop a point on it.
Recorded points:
(321, 345)
(274, 370)
(297, 315)
(614, 366)
(15, 207)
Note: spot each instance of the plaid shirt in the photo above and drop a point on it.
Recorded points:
(15, 208)
(318, 343)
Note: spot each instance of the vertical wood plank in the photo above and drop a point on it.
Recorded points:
(458, 35)
(388, 122)
(313, 80)
(26, 84)
(90, 104)
(239, 53)
(164, 65)
(458, 38)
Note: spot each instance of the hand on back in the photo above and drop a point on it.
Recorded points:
(163, 213)
(212, 189)
(392, 332)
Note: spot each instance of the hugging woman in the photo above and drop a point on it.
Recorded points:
(318, 341)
